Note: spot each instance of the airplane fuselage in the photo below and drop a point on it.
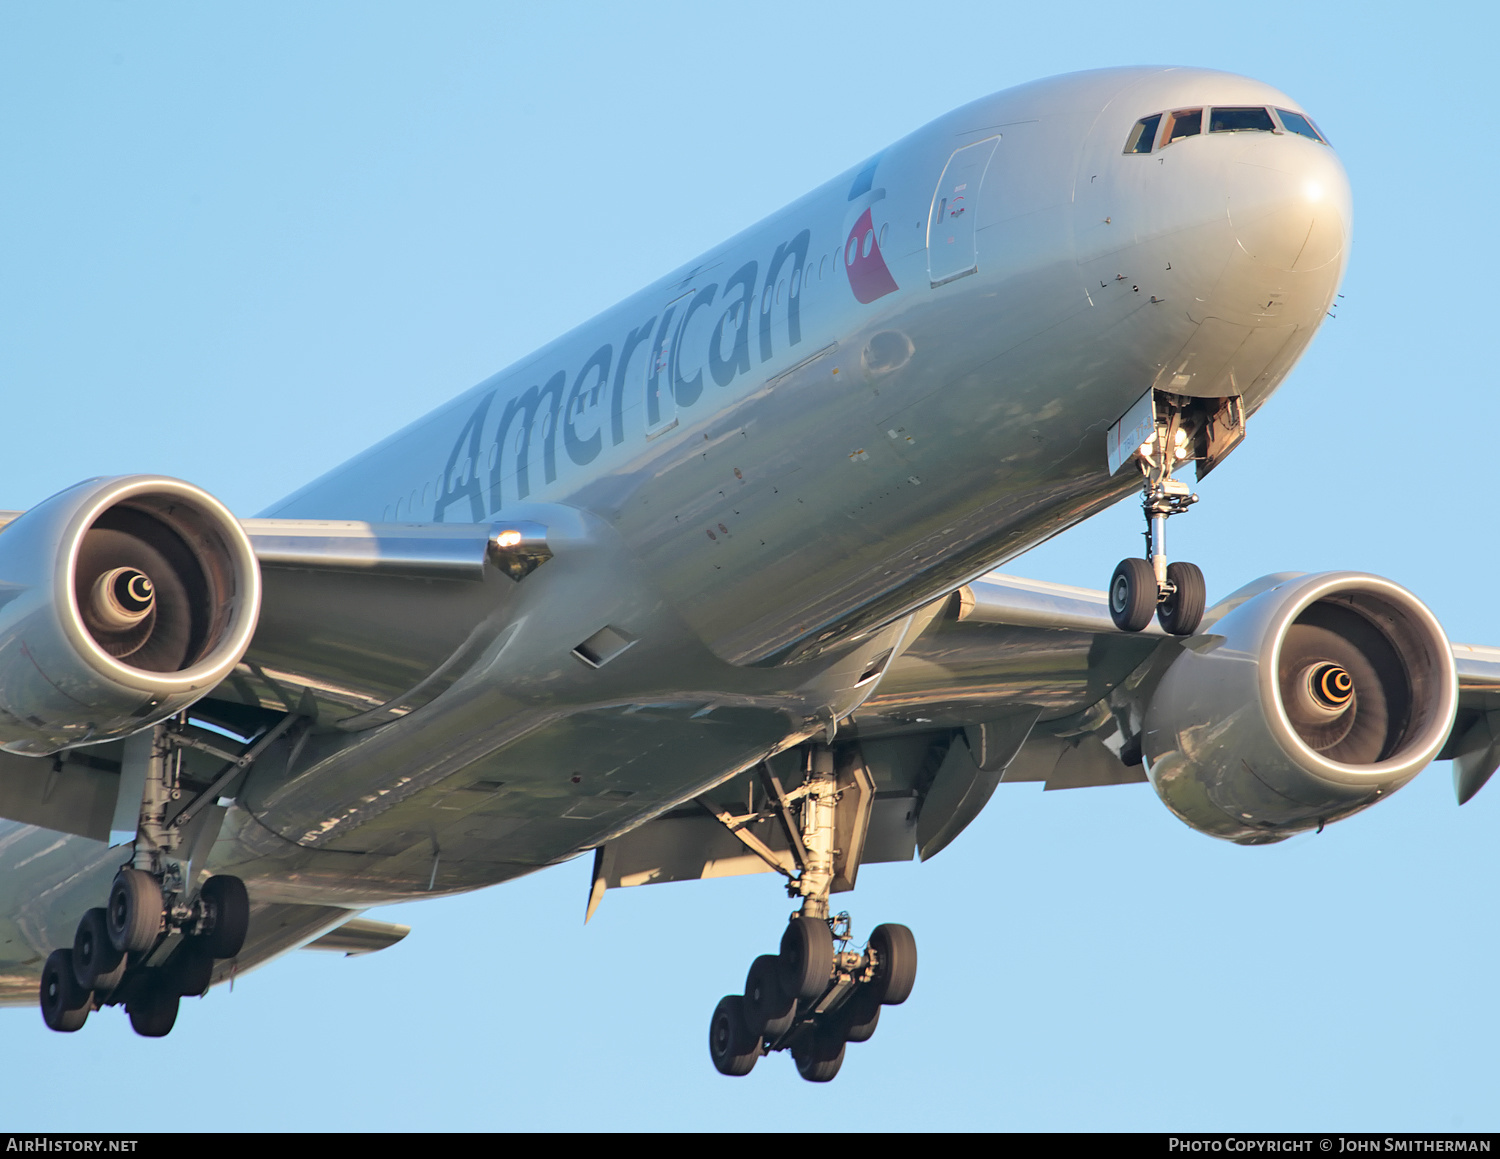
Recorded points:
(856, 404)
(778, 455)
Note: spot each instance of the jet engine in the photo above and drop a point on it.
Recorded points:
(122, 601)
(1307, 699)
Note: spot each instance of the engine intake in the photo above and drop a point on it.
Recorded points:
(1302, 700)
(122, 602)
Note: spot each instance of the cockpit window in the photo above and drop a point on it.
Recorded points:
(1182, 123)
(1255, 120)
(1297, 123)
(1143, 136)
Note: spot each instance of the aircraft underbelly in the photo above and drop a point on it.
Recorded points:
(562, 788)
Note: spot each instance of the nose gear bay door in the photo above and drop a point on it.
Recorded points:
(951, 248)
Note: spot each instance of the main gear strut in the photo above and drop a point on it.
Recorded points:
(818, 994)
(155, 940)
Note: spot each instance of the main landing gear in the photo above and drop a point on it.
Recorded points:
(1174, 592)
(152, 943)
(817, 994)
(814, 997)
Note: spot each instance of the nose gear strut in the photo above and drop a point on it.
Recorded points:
(1174, 592)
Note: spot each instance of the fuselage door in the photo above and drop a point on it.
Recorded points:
(661, 368)
(951, 249)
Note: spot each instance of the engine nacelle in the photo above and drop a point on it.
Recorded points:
(1307, 699)
(122, 601)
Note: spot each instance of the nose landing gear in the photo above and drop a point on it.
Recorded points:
(818, 994)
(1174, 592)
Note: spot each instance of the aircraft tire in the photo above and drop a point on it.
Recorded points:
(862, 1015)
(190, 969)
(806, 959)
(152, 1008)
(231, 905)
(896, 952)
(731, 1044)
(96, 963)
(1132, 595)
(820, 1059)
(769, 1010)
(1182, 611)
(134, 911)
(65, 1004)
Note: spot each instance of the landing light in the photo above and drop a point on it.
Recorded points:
(518, 550)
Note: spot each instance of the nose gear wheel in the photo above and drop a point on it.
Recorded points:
(1181, 608)
(1132, 595)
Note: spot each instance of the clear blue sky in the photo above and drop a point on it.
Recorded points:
(240, 242)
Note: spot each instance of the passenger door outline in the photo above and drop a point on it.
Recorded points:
(952, 250)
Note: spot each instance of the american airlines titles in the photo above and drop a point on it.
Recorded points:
(493, 459)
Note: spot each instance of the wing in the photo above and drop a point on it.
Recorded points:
(1474, 744)
(1005, 679)
(1014, 680)
(1009, 681)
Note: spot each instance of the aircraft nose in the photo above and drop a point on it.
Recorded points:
(1289, 204)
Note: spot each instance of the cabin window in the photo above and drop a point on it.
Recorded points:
(1182, 123)
(1240, 121)
(1143, 136)
(1297, 123)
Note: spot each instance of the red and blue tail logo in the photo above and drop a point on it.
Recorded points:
(869, 277)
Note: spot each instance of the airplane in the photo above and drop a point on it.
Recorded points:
(706, 587)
